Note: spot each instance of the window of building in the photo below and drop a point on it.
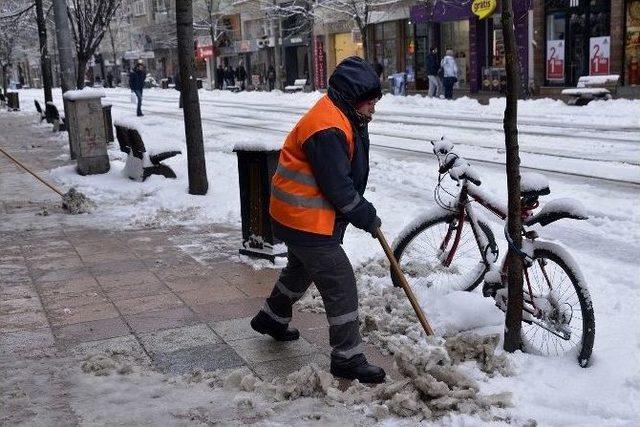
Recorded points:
(409, 49)
(455, 36)
(386, 50)
(138, 8)
(160, 6)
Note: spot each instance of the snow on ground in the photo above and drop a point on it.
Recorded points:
(554, 391)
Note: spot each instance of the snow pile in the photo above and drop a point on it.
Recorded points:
(531, 181)
(85, 93)
(104, 364)
(77, 203)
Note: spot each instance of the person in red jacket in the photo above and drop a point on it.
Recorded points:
(317, 190)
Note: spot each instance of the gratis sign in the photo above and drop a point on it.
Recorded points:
(599, 55)
(555, 59)
(483, 8)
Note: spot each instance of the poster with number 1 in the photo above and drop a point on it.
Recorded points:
(555, 59)
(599, 55)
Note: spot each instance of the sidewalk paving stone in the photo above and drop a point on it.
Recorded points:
(23, 343)
(231, 309)
(149, 304)
(71, 286)
(23, 321)
(235, 329)
(71, 335)
(161, 319)
(265, 349)
(131, 279)
(211, 294)
(82, 314)
(19, 305)
(171, 340)
(283, 367)
(207, 358)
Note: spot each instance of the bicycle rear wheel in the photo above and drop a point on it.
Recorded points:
(558, 316)
(421, 254)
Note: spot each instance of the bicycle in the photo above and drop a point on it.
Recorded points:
(437, 250)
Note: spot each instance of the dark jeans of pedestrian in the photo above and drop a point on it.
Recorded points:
(448, 87)
(139, 95)
(329, 268)
(272, 83)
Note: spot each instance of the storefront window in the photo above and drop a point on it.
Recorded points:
(575, 32)
(632, 44)
(455, 36)
(497, 59)
(410, 50)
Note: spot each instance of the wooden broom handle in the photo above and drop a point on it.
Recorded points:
(32, 173)
(403, 283)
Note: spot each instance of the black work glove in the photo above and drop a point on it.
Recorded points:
(375, 225)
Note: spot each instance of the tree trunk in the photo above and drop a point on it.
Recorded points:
(513, 322)
(65, 45)
(45, 60)
(81, 71)
(116, 71)
(191, 105)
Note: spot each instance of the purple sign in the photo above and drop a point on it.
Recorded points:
(441, 12)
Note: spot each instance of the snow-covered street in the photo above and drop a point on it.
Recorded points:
(589, 153)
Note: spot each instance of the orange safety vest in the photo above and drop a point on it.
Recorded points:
(296, 200)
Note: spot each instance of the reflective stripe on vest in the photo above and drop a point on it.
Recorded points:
(296, 200)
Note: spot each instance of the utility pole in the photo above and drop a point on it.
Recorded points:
(65, 45)
(45, 60)
(191, 105)
(513, 321)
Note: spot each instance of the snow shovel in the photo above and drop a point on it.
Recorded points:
(67, 198)
(403, 283)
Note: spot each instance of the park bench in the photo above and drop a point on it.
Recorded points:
(59, 122)
(592, 87)
(297, 86)
(140, 165)
(43, 116)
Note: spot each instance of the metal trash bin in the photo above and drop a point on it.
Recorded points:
(13, 101)
(256, 167)
(86, 128)
(108, 122)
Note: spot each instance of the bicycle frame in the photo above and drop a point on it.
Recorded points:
(466, 210)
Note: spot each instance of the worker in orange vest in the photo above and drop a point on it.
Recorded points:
(317, 191)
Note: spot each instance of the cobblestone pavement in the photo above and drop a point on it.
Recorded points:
(68, 288)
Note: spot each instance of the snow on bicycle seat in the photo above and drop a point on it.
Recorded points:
(533, 185)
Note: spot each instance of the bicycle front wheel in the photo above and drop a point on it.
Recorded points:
(423, 252)
(558, 317)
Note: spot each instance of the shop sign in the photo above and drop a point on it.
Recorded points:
(555, 59)
(318, 59)
(599, 55)
(147, 54)
(483, 8)
(204, 51)
(129, 55)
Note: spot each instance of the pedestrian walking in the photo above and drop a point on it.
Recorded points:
(450, 73)
(241, 75)
(136, 83)
(271, 77)
(317, 191)
(219, 77)
(433, 65)
(109, 79)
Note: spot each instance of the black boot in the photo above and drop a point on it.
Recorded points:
(357, 368)
(266, 325)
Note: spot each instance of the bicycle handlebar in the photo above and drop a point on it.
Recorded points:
(457, 167)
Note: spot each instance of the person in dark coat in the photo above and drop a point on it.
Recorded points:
(378, 67)
(136, 83)
(229, 76)
(109, 79)
(178, 87)
(317, 191)
(433, 65)
(219, 77)
(271, 77)
(241, 74)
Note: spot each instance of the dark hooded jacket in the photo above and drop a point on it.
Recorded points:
(340, 179)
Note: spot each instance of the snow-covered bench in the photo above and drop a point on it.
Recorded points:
(297, 86)
(59, 122)
(592, 87)
(140, 165)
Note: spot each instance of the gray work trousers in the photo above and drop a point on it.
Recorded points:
(329, 268)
